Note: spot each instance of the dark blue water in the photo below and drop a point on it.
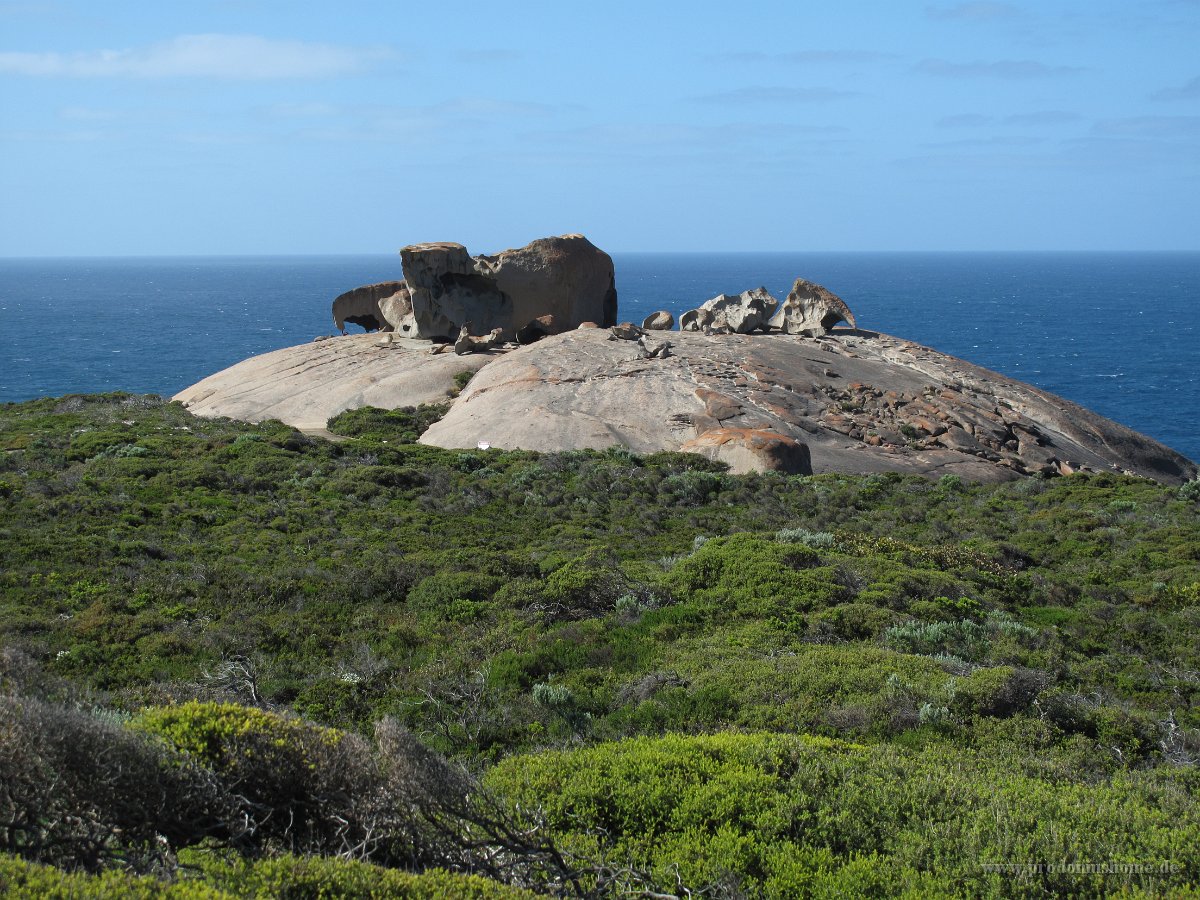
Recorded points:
(1114, 332)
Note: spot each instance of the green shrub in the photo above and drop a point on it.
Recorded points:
(302, 877)
(399, 426)
(20, 880)
(294, 779)
(439, 592)
(749, 577)
(793, 815)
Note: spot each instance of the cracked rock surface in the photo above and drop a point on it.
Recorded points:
(860, 401)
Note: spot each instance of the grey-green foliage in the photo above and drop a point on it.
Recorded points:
(633, 605)
(552, 696)
(817, 540)
(964, 638)
(1190, 491)
(929, 714)
(121, 451)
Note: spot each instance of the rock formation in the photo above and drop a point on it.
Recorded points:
(375, 307)
(539, 328)
(811, 310)
(752, 450)
(659, 321)
(812, 399)
(307, 385)
(860, 401)
(567, 278)
(743, 313)
(468, 343)
(626, 331)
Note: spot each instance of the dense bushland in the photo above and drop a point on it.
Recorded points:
(278, 650)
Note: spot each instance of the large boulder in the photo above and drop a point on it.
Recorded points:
(566, 278)
(752, 450)
(811, 310)
(376, 307)
(659, 321)
(742, 313)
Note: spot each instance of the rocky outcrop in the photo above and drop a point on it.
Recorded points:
(847, 401)
(811, 310)
(860, 401)
(307, 385)
(375, 307)
(752, 450)
(743, 313)
(566, 278)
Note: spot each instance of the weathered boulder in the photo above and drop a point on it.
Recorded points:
(744, 313)
(447, 292)
(648, 348)
(539, 328)
(376, 307)
(469, 343)
(696, 320)
(659, 321)
(567, 278)
(752, 450)
(626, 331)
(811, 310)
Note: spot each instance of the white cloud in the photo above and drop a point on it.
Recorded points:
(234, 56)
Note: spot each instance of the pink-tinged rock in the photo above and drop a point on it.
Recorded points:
(752, 450)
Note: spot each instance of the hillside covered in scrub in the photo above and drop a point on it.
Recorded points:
(238, 660)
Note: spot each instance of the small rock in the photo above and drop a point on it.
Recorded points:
(534, 331)
(469, 343)
(659, 321)
(650, 349)
(717, 405)
(626, 331)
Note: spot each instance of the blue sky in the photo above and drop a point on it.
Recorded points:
(256, 126)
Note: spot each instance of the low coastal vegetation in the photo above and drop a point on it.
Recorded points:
(241, 661)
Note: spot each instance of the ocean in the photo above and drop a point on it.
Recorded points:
(1115, 332)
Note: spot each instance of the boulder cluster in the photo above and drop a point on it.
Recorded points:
(809, 310)
(549, 286)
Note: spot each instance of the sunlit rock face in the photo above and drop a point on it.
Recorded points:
(565, 278)
(551, 285)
